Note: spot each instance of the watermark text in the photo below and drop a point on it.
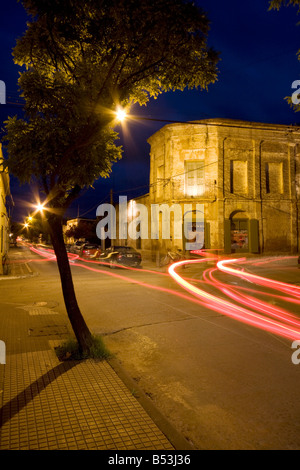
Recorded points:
(296, 354)
(2, 352)
(2, 92)
(296, 94)
(157, 221)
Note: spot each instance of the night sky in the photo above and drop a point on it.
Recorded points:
(258, 50)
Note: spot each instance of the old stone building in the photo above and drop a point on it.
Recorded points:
(239, 181)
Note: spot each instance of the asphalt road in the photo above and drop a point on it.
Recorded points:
(222, 383)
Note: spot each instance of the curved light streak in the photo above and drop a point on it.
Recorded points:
(263, 281)
(235, 311)
(285, 324)
(250, 301)
(50, 257)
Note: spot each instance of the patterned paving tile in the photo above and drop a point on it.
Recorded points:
(47, 404)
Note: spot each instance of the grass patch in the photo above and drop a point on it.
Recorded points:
(70, 351)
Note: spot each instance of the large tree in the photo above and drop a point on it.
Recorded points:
(81, 60)
(275, 5)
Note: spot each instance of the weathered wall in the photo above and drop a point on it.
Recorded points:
(250, 171)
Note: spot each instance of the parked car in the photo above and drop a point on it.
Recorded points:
(76, 247)
(90, 250)
(121, 255)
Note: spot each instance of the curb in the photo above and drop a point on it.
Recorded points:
(178, 441)
(9, 277)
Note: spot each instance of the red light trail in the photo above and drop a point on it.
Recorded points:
(48, 254)
(253, 311)
(289, 324)
(281, 286)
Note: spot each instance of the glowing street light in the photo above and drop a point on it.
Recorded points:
(40, 207)
(121, 114)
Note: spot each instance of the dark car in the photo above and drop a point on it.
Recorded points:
(90, 250)
(121, 255)
(298, 261)
(76, 248)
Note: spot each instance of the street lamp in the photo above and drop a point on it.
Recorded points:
(121, 114)
(40, 207)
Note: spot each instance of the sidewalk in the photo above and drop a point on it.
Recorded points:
(71, 405)
(17, 267)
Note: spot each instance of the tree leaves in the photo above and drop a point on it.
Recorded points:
(82, 60)
(276, 4)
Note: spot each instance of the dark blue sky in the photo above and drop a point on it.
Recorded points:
(258, 64)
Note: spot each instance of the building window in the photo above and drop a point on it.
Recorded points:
(231, 176)
(194, 178)
(274, 178)
(267, 179)
(238, 177)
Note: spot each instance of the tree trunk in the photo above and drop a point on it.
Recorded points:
(82, 333)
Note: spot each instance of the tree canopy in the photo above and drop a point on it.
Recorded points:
(84, 58)
(81, 60)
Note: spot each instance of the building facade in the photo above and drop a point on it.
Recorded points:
(237, 183)
(4, 215)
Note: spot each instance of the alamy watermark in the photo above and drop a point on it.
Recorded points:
(2, 92)
(140, 221)
(296, 94)
(296, 354)
(2, 352)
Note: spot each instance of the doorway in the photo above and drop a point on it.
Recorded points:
(239, 235)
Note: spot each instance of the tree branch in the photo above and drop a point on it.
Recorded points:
(72, 196)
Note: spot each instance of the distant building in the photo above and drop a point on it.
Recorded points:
(4, 214)
(241, 178)
(79, 229)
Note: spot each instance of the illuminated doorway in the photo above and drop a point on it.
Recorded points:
(239, 235)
